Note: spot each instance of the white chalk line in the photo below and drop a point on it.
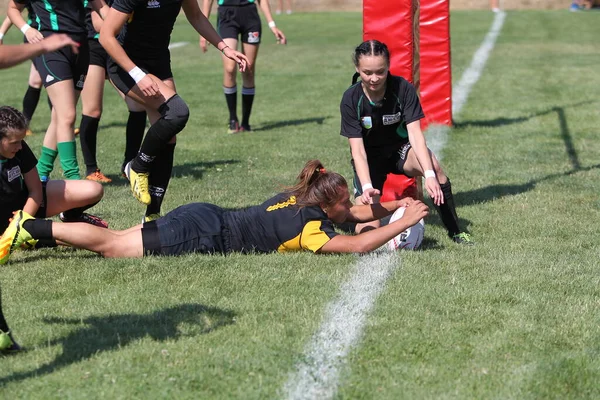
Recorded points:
(177, 45)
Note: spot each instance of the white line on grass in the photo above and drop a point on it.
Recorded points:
(177, 44)
(316, 376)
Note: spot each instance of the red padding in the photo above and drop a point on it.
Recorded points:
(435, 73)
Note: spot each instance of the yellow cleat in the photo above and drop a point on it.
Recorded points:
(139, 184)
(14, 236)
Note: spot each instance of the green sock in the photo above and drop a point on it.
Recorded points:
(45, 164)
(68, 159)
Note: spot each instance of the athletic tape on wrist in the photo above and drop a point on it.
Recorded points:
(1, 35)
(429, 173)
(272, 24)
(137, 74)
(25, 28)
(367, 186)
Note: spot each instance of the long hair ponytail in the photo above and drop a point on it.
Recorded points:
(317, 186)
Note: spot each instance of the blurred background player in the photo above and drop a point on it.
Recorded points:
(239, 18)
(288, 9)
(92, 98)
(140, 67)
(381, 118)
(63, 74)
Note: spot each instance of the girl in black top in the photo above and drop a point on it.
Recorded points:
(380, 118)
(63, 73)
(239, 19)
(299, 219)
(140, 67)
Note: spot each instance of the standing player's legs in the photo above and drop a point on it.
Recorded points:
(168, 114)
(134, 132)
(230, 86)
(248, 88)
(59, 139)
(92, 97)
(32, 95)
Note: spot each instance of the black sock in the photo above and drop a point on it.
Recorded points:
(88, 134)
(30, 101)
(3, 324)
(76, 212)
(447, 210)
(247, 100)
(134, 133)
(160, 175)
(46, 243)
(231, 99)
(39, 228)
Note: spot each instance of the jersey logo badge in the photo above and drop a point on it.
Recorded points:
(49, 78)
(81, 81)
(153, 4)
(367, 122)
(391, 119)
(13, 173)
(253, 37)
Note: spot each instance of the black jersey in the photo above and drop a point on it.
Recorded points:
(89, 26)
(32, 19)
(66, 16)
(235, 3)
(148, 31)
(13, 191)
(382, 126)
(278, 225)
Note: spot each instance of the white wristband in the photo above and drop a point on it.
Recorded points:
(366, 186)
(429, 173)
(1, 35)
(25, 28)
(137, 74)
(272, 24)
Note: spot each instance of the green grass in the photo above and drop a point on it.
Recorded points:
(516, 316)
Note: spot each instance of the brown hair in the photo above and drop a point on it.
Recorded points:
(11, 120)
(317, 186)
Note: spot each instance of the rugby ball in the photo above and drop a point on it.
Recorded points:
(411, 238)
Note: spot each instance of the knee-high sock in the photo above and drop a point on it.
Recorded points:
(160, 176)
(447, 210)
(67, 152)
(88, 135)
(3, 324)
(30, 101)
(76, 212)
(231, 100)
(46, 162)
(247, 100)
(134, 133)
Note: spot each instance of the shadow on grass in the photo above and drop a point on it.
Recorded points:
(98, 334)
(291, 122)
(197, 169)
(493, 192)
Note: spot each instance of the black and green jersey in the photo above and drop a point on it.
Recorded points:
(382, 126)
(13, 191)
(32, 19)
(278, 225)
(66, 16)
(148, 30)
(235, 3)
(91, 31)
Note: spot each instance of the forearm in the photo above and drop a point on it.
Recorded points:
(361, 166)
(266, 9)
(115, 50)
(372, 212)
(6, 24)
(33, 203)
(203, 26)
(417, 142)
(14, 14)
(11, 55)
(206, 7)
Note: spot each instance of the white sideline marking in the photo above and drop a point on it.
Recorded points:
(178, 44)
(316, 376)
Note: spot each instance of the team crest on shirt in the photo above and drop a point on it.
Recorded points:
(253, 37)
(391, 119)
(367, 122)
(13, 173)
(153, 4)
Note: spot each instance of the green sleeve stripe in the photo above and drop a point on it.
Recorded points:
(53, 16)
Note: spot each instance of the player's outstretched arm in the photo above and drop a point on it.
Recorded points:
(13, 55)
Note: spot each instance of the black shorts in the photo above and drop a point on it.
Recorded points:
(379, 168)
(192, 228)
(98, 55)
(64, 64)
(7, 211)
(243, 20)
(161, 68)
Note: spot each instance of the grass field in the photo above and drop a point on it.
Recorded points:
(515, 316)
